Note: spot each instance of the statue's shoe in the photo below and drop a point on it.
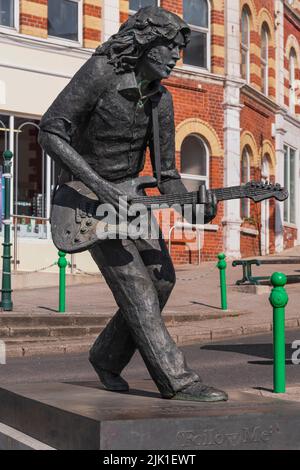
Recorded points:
(111, 381)
(200, 392)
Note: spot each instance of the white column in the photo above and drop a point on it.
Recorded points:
(280, 121)
(111, 18)
(232, 131)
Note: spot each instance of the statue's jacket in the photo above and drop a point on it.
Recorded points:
(103, 116)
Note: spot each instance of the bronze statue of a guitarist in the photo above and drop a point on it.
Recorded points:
(98, 130)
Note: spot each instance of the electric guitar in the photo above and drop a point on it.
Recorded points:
(78, 220)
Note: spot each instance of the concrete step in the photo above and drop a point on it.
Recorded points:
(11, 320)
(53, 331)
(48, 346)
(43, 334)
(36, 319)
(20, 346)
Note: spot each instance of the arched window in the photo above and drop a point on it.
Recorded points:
(245, 178)
(265, 59)
(194, 162)
(197, 14)
(245, 45)
(135, 5)
(265, 168)
(292, 61)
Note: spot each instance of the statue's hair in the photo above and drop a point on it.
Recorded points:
(144, 29)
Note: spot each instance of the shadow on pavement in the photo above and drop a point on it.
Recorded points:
(263, 350)
(205, 305)
(132, 391)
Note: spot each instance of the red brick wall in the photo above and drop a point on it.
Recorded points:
(290, 236)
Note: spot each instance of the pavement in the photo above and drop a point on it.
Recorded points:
(195, 301)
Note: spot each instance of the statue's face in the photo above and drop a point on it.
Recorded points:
(158, 62)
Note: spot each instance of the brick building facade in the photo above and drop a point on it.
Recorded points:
(235, 96)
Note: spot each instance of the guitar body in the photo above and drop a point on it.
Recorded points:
(75, 222)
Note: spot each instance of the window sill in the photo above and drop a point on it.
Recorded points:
(76, 47)
(197, 72)
(194, 68)
(9, 29)
(289, 225)
(206, 227)
(64, 42)
(249, 231)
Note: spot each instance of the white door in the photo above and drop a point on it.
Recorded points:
(265, 211)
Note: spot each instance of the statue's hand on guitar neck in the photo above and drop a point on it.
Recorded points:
(211, 206)
(206, 198)
(209, 200)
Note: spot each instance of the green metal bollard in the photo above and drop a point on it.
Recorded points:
(62, 263)
(222, 265)
(6, 302)
(279, 299)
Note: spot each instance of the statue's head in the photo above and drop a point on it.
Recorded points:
(148, 41)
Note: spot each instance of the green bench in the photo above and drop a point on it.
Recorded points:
(248, 278)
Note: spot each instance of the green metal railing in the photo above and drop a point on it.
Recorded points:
(62, 264)
(6, 300)
(279, 299)
(222, 265)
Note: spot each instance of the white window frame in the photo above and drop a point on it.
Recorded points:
(245, 48)
(132, 12)
(15, 28)
(265, 62)
(195, 68)
(287, 203)
(188, 176)
(246, 201)
(68, 42)
(292, 80)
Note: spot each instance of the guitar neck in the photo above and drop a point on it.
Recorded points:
(222, 194)
(226, 194)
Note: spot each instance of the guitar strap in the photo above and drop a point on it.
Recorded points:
(156, 142)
